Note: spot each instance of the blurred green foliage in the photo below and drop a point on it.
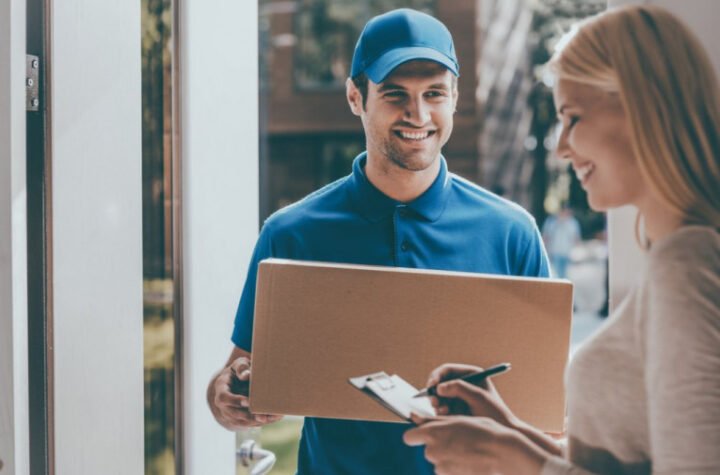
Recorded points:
(282, 438)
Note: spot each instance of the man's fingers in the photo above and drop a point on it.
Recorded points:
(236, 426)
(242, 404)
(236, 413)
(239, 405)
(231, 401)
(267, 418)
(230, 381)
(239, 365)
(243, 417)
(238, 416)
(227, 398)
(235, 378)
(263, 418)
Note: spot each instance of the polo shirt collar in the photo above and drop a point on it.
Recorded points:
(375, 205)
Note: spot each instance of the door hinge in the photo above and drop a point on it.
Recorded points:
(32, 80)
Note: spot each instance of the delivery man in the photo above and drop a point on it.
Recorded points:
(400, 206)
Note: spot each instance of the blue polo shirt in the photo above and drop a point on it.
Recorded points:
(454, 225)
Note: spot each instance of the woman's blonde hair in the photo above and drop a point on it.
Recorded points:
(670, 94)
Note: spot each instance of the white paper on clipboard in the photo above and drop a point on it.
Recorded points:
(394, 393)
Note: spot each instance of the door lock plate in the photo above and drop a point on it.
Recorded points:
(32, 80)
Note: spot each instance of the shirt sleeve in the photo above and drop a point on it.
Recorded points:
(242, 332)
(533, 260)
(682, 363)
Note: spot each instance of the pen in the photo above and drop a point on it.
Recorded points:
(473, 378)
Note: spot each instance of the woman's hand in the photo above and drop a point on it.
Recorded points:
(458, 445)
(458, 397)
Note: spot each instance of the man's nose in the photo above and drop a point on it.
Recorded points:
(417, 112)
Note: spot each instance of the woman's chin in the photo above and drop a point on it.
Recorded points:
(598, 204)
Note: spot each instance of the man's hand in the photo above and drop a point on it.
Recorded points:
(228, 395)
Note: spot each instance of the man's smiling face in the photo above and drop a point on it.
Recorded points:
(409, 116)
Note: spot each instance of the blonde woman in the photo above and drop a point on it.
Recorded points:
(640, 112)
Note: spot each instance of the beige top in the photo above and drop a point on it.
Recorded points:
(644, 392)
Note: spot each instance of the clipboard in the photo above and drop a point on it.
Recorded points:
(394, 393)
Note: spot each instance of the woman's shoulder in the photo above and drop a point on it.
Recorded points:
(689, 247)
(683, 275)
(682, 291)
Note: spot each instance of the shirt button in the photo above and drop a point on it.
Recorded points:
(405, 246)
(403, 212)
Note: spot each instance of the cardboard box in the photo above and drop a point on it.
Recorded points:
(318, 324)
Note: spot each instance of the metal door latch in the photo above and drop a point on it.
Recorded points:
(32, 79)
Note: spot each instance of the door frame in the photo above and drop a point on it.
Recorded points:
(14, 431)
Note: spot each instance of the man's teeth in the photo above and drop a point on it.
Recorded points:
(414, 135)
(583, 171)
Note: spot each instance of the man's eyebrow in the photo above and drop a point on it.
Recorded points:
(388, 86)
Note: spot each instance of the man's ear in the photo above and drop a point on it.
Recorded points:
(455, 95)
(354, 97)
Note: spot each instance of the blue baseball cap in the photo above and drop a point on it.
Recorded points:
(399, 36)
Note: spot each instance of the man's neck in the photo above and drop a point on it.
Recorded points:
(398, 183)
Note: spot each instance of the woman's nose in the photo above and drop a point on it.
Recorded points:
(562, 149)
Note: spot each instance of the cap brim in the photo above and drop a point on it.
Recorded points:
(383, 66)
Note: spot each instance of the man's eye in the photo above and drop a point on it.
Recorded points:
(572, 121)
(435, 94)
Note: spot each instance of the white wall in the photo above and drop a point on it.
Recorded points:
(97, 237)
(625, 257)
(219, 57)
(14, 438)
